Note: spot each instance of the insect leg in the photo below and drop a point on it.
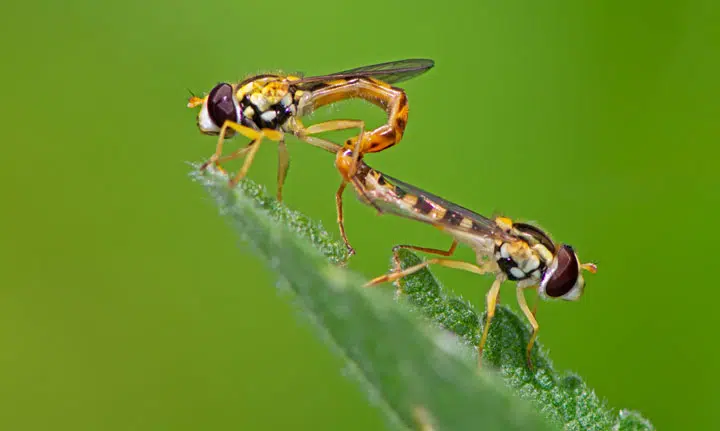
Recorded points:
(283, 166)
(321, 143)
(392, 99)
(235, 154)
(530, 315)
(535, 305)
(491, 301)
(218, 149)
(245, 131)
(257, 137)
(335, 125)
(396, 255)
(456, 264)
(332, 126)
(340, 221)
(397, 248)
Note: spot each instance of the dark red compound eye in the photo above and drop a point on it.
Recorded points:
(566, 274)
(220, 104)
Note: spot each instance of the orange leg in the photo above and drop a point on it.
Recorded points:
(245, 131)
(341, 223)
(465, 266)
(304, 134)
(531, 318)
(329, 126)
(396, 250)
(256, 136)
(492, 297)
(396, 255)
(320, 143)
(535, 305)
(390, 98)
(234, 155)
(335, 125)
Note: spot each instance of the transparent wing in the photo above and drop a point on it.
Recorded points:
(391, 72)
(392, 202)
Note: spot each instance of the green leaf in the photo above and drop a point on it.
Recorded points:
(418, 374)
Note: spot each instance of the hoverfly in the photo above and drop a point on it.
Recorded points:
(511, 251)
(269, 106)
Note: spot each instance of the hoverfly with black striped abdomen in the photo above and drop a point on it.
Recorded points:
(518, 252)
(271, 105)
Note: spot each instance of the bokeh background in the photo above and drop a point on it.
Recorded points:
(125, 302)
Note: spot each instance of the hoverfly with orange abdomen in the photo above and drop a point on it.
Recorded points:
(271, 105)
(518, 252)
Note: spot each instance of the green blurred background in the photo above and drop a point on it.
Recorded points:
(126, 303)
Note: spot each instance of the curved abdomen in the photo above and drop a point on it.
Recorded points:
(392, 99)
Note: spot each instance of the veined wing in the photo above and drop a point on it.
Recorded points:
(429, 208)
(391, 72)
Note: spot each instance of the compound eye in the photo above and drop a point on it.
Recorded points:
(566, 274)
(221, 106)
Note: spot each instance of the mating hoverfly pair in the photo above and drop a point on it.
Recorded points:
(269, 106)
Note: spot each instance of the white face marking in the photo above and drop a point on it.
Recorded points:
(576, 292)
(249, 112)
(286, 100)
(517, 272)
(205, 123)
(268, 115)
(504, 251)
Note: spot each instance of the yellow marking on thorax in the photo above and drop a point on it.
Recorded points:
(466, 223)
(543, 252)
(275, 91)
(519, 250)
(504, 223)
(244, 90)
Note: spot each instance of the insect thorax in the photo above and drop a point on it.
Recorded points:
(267, 102)
(518, 261)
